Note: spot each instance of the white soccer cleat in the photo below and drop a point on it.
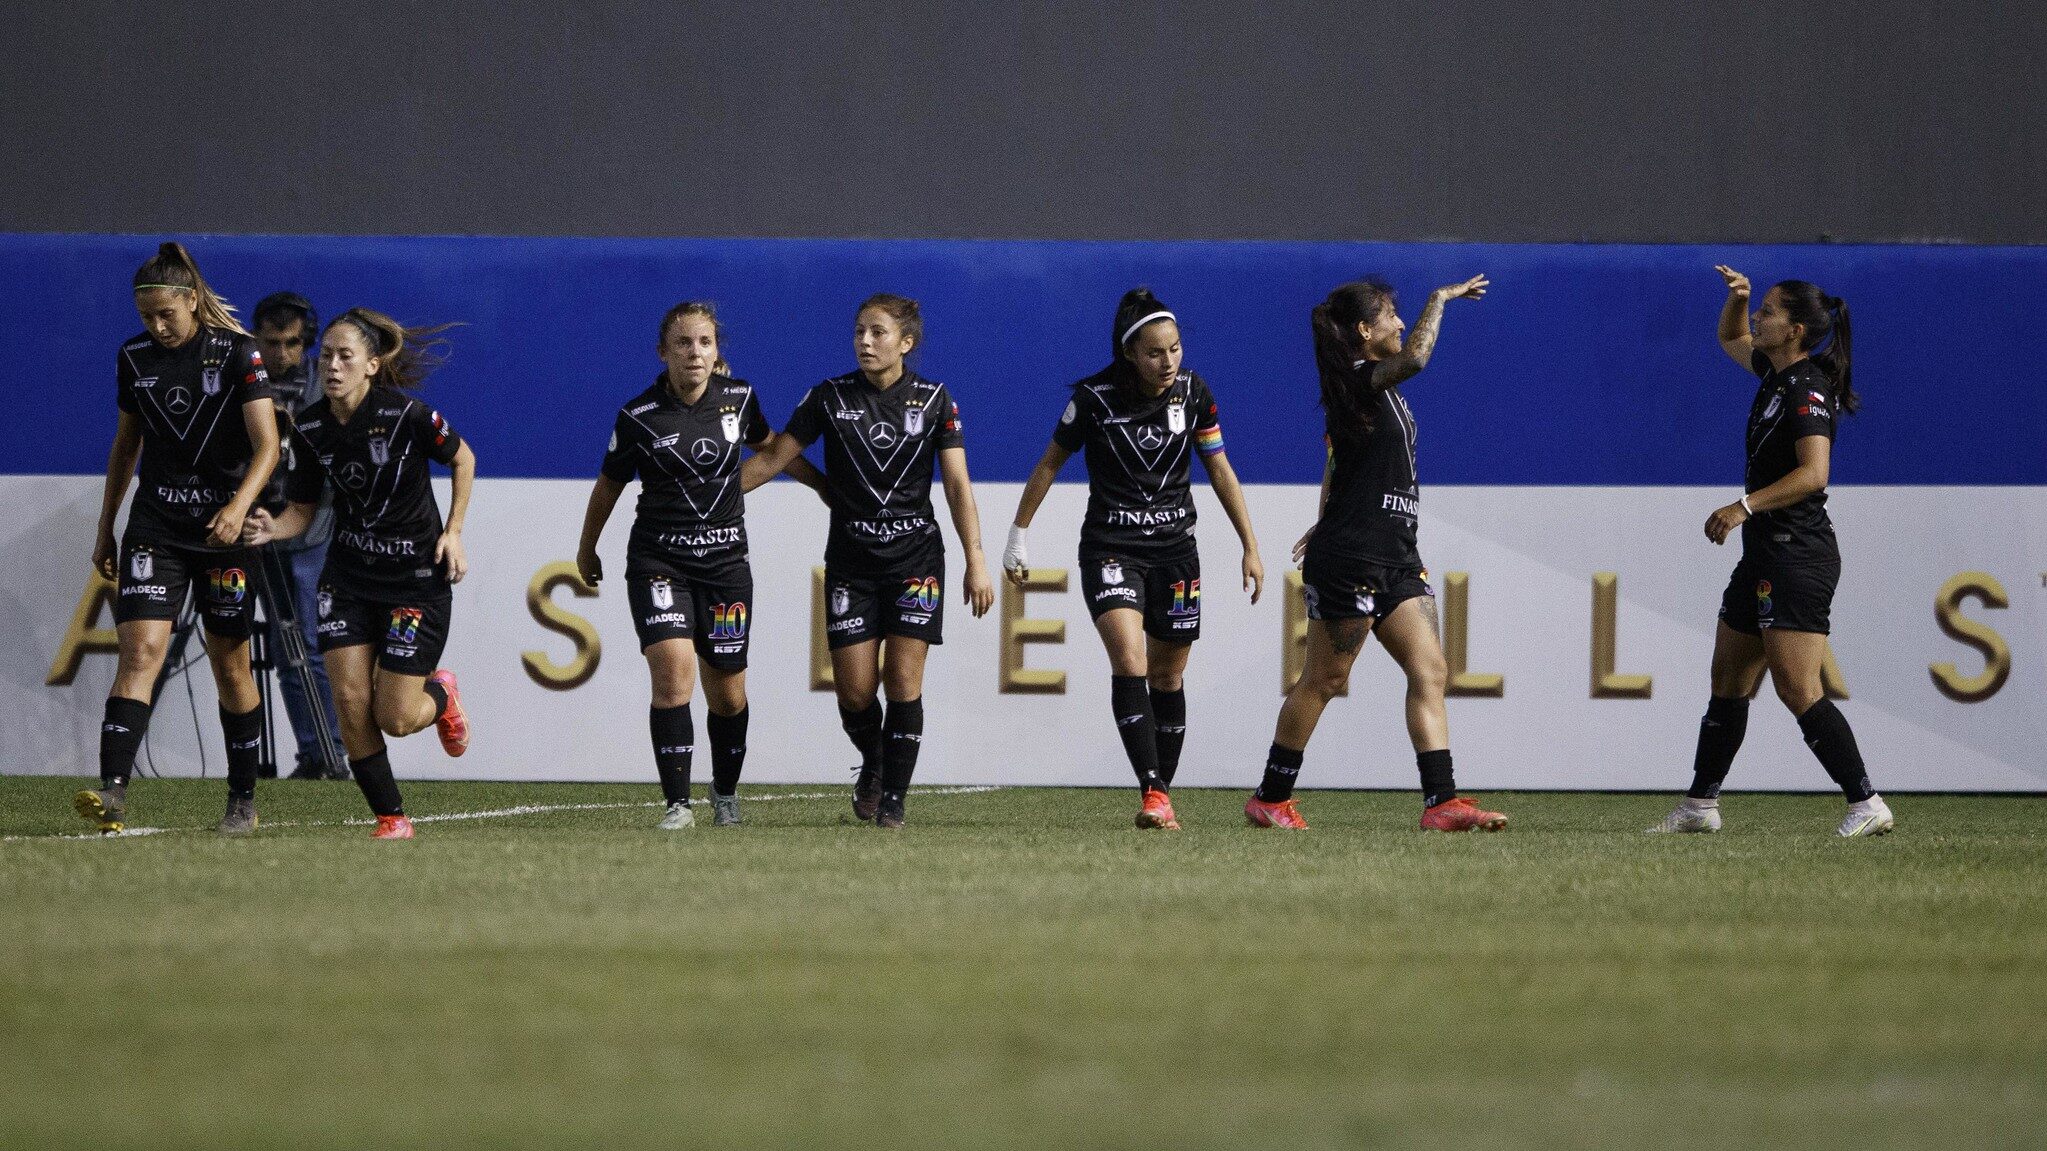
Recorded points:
(1688, 817)
(1870, 817)
(679, 816)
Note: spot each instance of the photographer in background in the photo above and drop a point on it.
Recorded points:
(285, 327)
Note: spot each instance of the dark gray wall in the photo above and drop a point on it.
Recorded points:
(1608, 120)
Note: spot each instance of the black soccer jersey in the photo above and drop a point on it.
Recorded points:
(880, 449)
(386, 522)
(1138, 453)
(1374, 499)
(686, 456)
(1789, 406)
(195, 444)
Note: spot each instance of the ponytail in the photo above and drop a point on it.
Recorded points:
(1826, 337)
(408, 355)
(173, 267)
(1137, 310)
(1347, 388)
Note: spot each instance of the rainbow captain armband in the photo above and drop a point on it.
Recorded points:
(1208, 441)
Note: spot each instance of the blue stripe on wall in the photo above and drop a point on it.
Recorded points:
(1586, 364)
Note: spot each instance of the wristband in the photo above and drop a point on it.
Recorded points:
(1744, 507)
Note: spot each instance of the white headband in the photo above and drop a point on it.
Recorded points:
(1161, 314)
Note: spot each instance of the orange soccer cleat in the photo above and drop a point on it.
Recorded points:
(1157, 812)
(392, 827)
(1282, 814)
(1460, 814)
(454, 722)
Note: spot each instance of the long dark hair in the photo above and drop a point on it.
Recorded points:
(1347, 388)
(1826, 322)
(1136, 304)
(409, 355)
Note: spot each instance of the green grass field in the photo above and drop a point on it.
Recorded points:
(1018, 969)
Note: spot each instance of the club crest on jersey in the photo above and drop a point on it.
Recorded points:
(841, 600)
(380, 450)
(141, 564)
(1770, 409)
(1176, 417)
(209, 381)
(663, 594)
(325, 603)
(728, 423)
(913, 420)
(1112, 573)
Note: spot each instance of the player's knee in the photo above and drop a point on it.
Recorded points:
(394, 721)
(1165, 680)
(1798, 697)
(1428, 678)
(1324, 686)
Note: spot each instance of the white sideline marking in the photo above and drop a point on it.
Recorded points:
(495, 813)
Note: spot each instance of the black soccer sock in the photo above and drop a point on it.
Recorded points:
(904, 732)
(1831, 739)
(127, 721)
(1282, 767)
(863, 727)
(728, 748)
(1720, 733)
(379, 787)
(675, 738)
(1439, 784)
(1130, 699)
(1169, 712)
(439, 695)
(244, 734)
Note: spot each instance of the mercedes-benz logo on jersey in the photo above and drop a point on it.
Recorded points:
(1149, 437)
(141, 564)
(353, 474)
(380, 450)
(882, 436)
(913, 420)
(178, 399)
(705, 450)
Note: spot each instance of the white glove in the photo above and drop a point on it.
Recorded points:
(1014, 557)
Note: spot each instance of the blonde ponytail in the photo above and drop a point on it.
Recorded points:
(173, 267)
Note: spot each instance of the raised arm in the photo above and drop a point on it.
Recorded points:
(120, 473)
(1735, 339)
(1223, 478)
(966, 520)
(1015, 558)
(1421, 343)
(450, 545)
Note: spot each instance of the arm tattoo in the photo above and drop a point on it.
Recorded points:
(1421, 344)
(1348, 635)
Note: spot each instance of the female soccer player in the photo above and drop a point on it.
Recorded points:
(686, 573)
(1774, 612)
(196, 408)
(1362, 570)
(384, 599)
(884, 561)
(1140, 571)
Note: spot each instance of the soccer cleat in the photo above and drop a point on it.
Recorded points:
(1282, 814)
(678, 817)
(240, 818)
(1460, 814)
(888, 811)
(1688, 817)
(1870, 817)
(106, 809)
(1157, 812)
(454, 722)
(392, 827)
(866, 793)
(725, 810)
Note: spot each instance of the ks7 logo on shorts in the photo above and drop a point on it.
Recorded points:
(404, 625)
(728, 621)
(920, 594)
